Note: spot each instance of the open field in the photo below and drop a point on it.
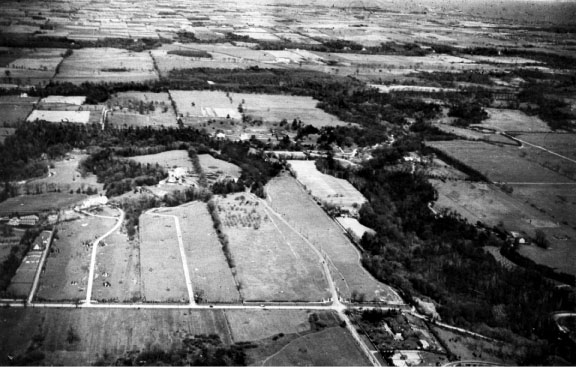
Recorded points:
(468, 348)
(332, 346)
(106, 65)
(439, 168)
(169, 159)
(253, 325)
(563, 144)
(21, 283)
(327, 188)
(81, 117)
(39, 203)
(199, 106)
(141, 109)
(513, 120)
(117, 270)
(66, 273)
(100, 332)
(476, 201)
(289, 199)
(212, 279)
(271, 262)
(216, 168)
(160, 263)
(14, 110)
(65, 177)
(474, 134)
(499, 164)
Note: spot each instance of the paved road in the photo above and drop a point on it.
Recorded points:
(95, 249)
(182, 255)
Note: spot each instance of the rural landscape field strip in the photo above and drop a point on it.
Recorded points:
(287, 197)
(182, 256)
(95, 244)
(211, 276)
(271, 264)
(163, 275)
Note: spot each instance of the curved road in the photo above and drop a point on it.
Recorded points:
(95, 249)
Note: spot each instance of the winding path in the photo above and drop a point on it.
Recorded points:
(95, 249)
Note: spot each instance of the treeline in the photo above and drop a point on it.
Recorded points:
(467, 113)
(472, 172)
(121, 175)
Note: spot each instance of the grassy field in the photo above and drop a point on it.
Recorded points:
(168, 160)
(469, 348)
(21, 283)
(559, 143)
(499, 164)
(290, 200)
(14, 110)
(272, 262)
(38, 203)
(106, 65)
(211, 276)
(439, 168)
(65, 177)
(117, 265)
(66, 273)
(141, 109)
(160, 263)
(354, 227)
(327, 188)
(513, 120)
(199, 106)
(474, 135)
(333, 346)
(254, 325)
(215, 168)
(101, 332)
(558, 201)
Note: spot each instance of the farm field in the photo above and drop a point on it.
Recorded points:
(271, 262)
(513, 120)
(289, 199)
(14, 110)
(169, 159)
(65, 177)
(141, 109)
(475, 135)
(160, 262)
(217, 168)
(439, 168)
(21, 283)
(469, 348)
(212, 279)
(199, 106)
(499, 164)
(26, 204)
(101, 332)
(66, 272)
(168, 62)
(81, 117)
(106, 65)
(253, 325)
(332, 346)
(477, 201)
(117, 270)
(563, 144)
(327, 188)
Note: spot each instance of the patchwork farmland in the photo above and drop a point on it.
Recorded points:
(141, 109)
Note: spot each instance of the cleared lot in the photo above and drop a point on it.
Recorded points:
(66, 273)
(271, 262)
(327, 188)
(290, 200)
(161, 266)
(211, 276)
